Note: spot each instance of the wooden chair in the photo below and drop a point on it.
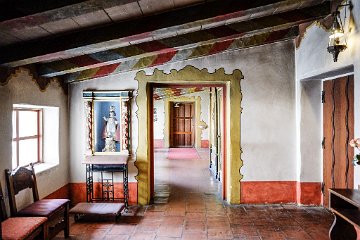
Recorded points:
(20, 227)
(56, 210)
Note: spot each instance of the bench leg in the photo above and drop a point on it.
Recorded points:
(67, 222)
(45, 231)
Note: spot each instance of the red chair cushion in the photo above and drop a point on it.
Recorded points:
(43, 208)
(20, 227)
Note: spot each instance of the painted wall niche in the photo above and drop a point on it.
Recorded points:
(107, 122)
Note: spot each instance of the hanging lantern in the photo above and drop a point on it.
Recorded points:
(337, 41)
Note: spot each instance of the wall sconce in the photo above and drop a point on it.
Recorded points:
(337, 40)
(177, 105)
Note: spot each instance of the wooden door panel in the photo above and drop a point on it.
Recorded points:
(338, 130)
(182, 130)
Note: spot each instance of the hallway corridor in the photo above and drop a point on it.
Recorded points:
(182, 176)
(187, 206)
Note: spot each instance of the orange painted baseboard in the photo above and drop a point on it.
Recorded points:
(63, 192)
(261, 192)
(205, 144)
(76, 192)
(309, 193)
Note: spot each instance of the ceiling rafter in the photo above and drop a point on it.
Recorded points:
(110, 36)
(173, 55)
(110, 57)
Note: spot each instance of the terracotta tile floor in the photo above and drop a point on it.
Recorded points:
(187, 206)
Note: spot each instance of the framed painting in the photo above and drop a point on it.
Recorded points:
(107, 122)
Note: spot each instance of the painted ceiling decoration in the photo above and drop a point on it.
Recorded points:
(77, 40)
(173, 55)
(161, 93)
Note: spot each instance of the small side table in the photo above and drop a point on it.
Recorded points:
(111, 164)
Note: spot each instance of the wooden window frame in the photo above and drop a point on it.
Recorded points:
(38, 136)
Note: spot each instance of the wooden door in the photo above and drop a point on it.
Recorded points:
(338, 130)
(182, 125)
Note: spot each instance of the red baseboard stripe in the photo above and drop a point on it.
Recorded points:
(252, 192)
(309, 193)
(76, 192)
(63, 192)
(268, 192)
(205, 144)
(261, 192)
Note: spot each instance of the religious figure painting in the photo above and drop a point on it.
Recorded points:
(107, 122)
(107, 126)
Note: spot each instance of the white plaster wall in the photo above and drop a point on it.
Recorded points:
(124, 81)
(159, 125)
(268, 119)
(268, 116)
(21, 89)
(313, 59)
(204, 110)
(310, 167)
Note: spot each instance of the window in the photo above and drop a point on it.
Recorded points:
(27, 136)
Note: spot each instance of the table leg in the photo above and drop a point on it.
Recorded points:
(126, 185)
(89, 182)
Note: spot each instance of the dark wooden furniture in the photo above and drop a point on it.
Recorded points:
(20, 227)
(55, 210)
(103, 206)
(97, 210)
(345, 204)
(111, 164)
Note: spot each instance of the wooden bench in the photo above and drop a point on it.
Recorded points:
(97, 210)
(19, 228)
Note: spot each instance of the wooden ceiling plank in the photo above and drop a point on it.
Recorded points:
(53, 10)
(123, 12)
(269, 23)
(93, 18)
(5, 38)
(29, 33)
(201, 14)
(150, 7)
(60, 25)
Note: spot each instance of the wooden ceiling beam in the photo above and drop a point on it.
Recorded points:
(172, 56)
(145, 29)
(234, 30)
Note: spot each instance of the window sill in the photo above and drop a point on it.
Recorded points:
(44, 167)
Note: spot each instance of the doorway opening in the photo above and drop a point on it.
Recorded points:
(182, 124)
(189, 75)
(187, 136)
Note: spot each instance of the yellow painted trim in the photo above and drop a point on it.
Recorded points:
(190, 75)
